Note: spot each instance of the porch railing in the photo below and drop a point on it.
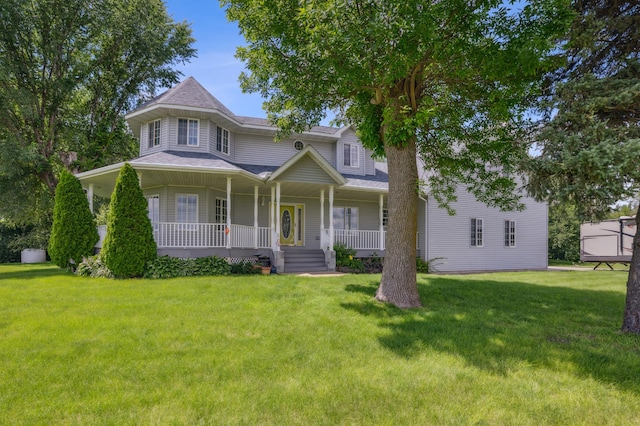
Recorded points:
(204, 235)
(362, 239)
(359, 239)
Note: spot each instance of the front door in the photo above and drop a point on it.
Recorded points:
(287, 225)
(292, 225)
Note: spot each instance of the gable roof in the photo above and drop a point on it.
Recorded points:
(308, 151)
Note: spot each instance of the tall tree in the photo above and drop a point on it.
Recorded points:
(74, 234)
(444, 80)
(589, 143)
(69, 69)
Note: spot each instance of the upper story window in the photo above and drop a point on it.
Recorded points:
(298, 145)
(385, 217)
(187, 131)
(345, 217)
(476, 232)
(154, 133)
(351, 157)
(509, 233)
(222, 140)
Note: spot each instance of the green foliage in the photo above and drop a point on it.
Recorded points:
(456, 76)
(564, 232)
(170, 267)
(344, 254)
(8, 233)
(93, 266)
(74, 234)
(427, 266)
(448, 81)
(244, 268)
(129, 242)
(69, 69)
(422, 266)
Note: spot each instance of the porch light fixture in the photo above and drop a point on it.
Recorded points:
(262, 203)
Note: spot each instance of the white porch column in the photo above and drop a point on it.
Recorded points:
(381, 216)
(140, 179)
(255, 217)
(228, 230)
(331, 237)
(322, 239)
(90, 197)
(272, 211)
(278, 213)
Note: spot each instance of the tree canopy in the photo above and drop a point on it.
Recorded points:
(445, 80)
(69, 70)
(588, 144)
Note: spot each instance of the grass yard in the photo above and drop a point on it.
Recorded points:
(508, 349)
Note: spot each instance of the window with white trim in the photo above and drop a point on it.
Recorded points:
(476, 232)
(187, 131)
(345, 218)
(154, 133)
(222, 140)
(221, 210)
(153, 208)
(186, 208)
(385, 217)
(351, 157)
(509, 233)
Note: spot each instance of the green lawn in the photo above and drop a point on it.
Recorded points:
(509, 348)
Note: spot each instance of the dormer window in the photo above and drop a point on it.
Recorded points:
(154, 133)
(222, 140)
(187, 131)
(351, 158)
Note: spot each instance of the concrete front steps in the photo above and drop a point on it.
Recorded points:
(300, 259)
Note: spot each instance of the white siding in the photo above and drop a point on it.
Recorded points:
(254, 149)
(144, 138)
(349, 137)
(172, 191)
(449, 237)
(213, 141)
(203, 136)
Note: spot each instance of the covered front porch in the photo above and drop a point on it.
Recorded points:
(198, 210)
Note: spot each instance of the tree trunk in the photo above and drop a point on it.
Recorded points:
(631, 320)
(398, 285)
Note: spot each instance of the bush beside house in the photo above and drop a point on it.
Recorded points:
(129, 242)
(74, 234)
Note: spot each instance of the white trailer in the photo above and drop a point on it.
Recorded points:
(609, 241)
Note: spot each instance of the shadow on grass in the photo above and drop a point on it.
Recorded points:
(18, 271)
(497, 325)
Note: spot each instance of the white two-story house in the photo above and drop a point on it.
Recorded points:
(217, 184)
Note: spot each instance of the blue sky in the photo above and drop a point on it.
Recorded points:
(215, 68)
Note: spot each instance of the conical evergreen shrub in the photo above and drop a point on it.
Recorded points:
(129, 242)
(74, 234)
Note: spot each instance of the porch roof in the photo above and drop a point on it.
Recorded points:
(307, 172)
